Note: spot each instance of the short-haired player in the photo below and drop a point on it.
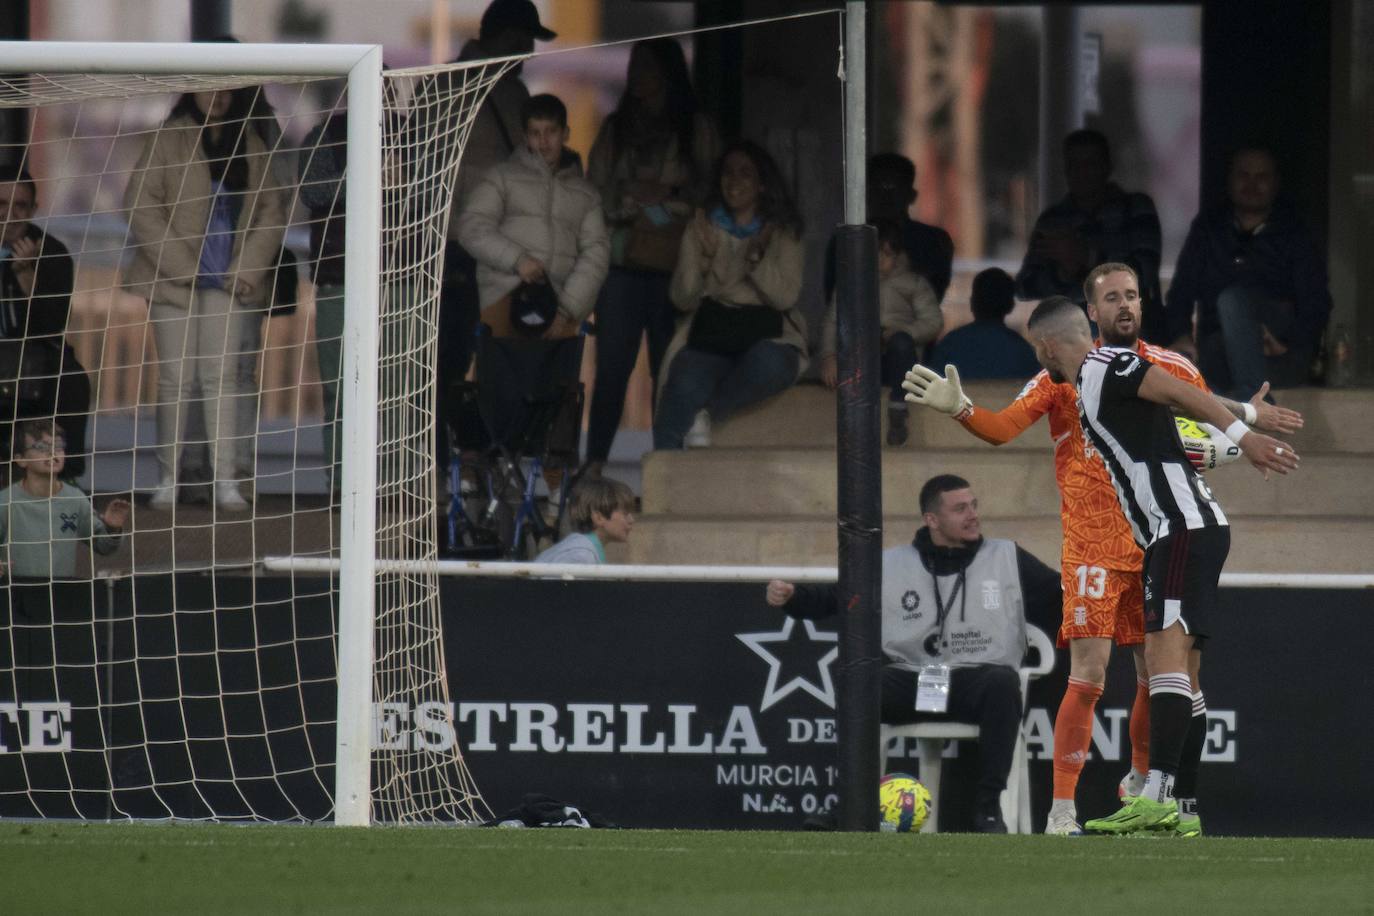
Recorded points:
(1103, 600)
(1126, 410)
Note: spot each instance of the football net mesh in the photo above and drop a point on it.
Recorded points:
(173, 327)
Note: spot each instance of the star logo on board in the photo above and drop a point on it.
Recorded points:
(795, 649)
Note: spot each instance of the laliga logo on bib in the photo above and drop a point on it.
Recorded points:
(992, 595)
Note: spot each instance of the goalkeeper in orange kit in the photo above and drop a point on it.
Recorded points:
(1100, 562)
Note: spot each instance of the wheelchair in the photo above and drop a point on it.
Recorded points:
(518, 423)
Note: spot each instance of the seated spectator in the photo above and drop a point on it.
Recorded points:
(535, 227)
(1095, 222)
(891, 193)
(740, 338)
(651, 161)
(602, 512)
(1252, 270)
(983, 641)
(909, 316)
(42, 518)
(36, 279)
(987, 348)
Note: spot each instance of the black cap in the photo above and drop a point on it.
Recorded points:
(514, 14)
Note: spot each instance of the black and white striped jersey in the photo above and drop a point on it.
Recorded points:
(1138, 442)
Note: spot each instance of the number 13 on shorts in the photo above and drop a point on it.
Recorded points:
(1092, 581)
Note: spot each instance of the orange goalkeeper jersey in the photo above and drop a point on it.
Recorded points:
(1095, 531)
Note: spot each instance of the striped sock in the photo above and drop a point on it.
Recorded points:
(1171, 714)
(1073, 735)
(1191, 758)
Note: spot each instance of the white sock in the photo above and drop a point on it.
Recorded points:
(1064, 806)
(1159, 786)
(1133, 781)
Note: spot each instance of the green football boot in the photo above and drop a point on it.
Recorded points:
(1136, 814)
(1188, 825)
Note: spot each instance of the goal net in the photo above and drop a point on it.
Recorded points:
(221, 283)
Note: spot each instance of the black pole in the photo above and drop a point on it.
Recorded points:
(211, 20)
(860, 504)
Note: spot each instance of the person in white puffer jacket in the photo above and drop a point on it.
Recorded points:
(534, 219)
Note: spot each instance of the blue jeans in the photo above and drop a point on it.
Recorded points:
(721, 385)
(1233, 360)
(900, 353)
(632, 302)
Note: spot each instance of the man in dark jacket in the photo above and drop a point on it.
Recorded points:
(36, 280)
(953, 598)
(1097, 221)
(891, 193)
(1253, 272)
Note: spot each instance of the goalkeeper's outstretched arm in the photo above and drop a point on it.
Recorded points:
(945, 394)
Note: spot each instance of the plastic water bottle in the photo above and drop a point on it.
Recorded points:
(1340, 372)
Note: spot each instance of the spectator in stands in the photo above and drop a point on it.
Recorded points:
(930, 618)
(535, 226)
(987, 348)
(36, 280)
(1252, 270)
(740, 338)
(909, 316)
(42, 518)
(891, 193)
(206, 219)
(651, 162)
(322, 192)
(508, 28)
(1095, 222)
(602, 512)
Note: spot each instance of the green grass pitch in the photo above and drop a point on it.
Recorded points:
(203, 870)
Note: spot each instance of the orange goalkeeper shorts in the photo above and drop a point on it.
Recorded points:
(1102, 603)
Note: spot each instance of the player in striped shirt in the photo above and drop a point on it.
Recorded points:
(1126, 408)
(1100, 562)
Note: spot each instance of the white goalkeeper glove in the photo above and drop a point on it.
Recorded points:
(1206, 446)
(928, 389)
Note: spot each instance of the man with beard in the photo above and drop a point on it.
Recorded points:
(952, 598)
(1126, 409)
(1101, 563)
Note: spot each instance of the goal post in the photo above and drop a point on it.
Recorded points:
(385, 400)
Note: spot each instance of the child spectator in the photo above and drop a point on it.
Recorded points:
(987, 348)
(740, 337)
(909, 315)
(535, 226)
(42, 518)
(601, 513)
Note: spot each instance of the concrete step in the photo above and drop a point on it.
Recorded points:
(804, 417)
(754, 482)
(1314, 544)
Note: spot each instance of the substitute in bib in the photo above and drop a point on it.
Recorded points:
(955, 607)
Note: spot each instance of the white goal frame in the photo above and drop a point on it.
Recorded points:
(361, 65)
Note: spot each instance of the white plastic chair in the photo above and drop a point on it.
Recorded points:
(931, 737)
